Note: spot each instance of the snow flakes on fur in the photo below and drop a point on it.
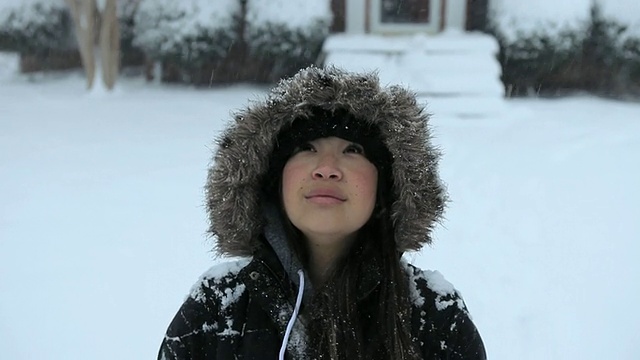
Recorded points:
(242, 158)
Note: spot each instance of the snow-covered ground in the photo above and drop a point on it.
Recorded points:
(102, 224)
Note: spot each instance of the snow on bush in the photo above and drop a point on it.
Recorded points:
(255, 40)
(297, 15)
(130, 54)
(597, 53)
(232, 40)
(34, 25)
(290, 32)
(515, 18)
(22, 14)
(37, 26)
(185, 30)
(126, 16)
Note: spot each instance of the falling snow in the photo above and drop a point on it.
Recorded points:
(102, 209)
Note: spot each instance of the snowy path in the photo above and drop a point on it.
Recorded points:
(102, 225)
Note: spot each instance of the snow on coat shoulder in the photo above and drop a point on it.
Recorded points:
(445, 293)
(221, 274)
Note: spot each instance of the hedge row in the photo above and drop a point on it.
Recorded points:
(196, 41)
(42, 31)
(600, 57)
(36, 27)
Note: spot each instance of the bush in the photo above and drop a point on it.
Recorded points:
(42, 31)
(287, 43)
(600, 57)
(631, 59)
(187, 34)
(36, 27)
(197, 41)
(203, 42)
(130, 54)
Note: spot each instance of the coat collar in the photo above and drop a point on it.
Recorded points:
(271, 288)
(368, 279)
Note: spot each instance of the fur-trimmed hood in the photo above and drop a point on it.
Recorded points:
(241, 161)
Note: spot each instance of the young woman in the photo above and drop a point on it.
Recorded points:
(320, 189)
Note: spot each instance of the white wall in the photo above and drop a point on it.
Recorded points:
(456, 15)
(355, 16)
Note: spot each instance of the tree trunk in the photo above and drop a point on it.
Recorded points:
(110, 44)
(106, 31)
(84, 19)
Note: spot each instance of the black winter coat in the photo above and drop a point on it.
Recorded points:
(240, 310)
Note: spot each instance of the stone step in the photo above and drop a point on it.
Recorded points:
(457, 73)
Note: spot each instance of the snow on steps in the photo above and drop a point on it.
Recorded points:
(456, 73)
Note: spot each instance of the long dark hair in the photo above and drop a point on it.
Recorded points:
(378, 327)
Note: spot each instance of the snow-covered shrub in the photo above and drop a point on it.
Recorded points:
(631, 57)
(131, 55)
(43, 32)
(35, 26)
(205, 41)
(535, 63)
(186, 33)
(287, 34)
(600, 57)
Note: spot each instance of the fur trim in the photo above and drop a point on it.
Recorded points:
(233, 189)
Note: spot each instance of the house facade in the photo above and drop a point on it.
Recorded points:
(430, 46)
(397, 17)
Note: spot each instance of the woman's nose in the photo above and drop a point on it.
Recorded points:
(327, 169)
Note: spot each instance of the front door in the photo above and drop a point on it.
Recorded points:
(405, 16)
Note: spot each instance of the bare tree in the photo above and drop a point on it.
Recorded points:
(98, 34)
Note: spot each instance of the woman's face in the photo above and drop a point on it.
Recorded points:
(329, 190)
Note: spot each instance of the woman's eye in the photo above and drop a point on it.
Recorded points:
(354, 149)
(303, 147)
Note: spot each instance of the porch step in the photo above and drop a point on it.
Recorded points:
(457, 72)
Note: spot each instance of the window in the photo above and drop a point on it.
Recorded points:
(405, 16)
(404, 11)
